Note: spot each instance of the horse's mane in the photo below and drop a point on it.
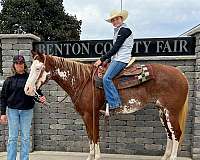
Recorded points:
(83, 70)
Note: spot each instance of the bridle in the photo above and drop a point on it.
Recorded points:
(78, 92)
(43, 67)
(41, 72)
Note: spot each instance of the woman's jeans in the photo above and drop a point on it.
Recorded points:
(111, 93)
(19, 119)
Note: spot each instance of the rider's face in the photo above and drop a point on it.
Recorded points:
(117, 21)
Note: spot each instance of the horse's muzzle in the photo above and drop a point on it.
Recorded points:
(29, 90)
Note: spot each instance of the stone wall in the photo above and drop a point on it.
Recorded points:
(60, 128)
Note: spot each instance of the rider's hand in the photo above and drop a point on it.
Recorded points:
(42, 99)
(97, 63)
(3, 119)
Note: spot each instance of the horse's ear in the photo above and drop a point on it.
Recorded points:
(33, 53)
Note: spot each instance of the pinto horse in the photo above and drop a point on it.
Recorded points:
(168, 91)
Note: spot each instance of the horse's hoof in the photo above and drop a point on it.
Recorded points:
(90, 158)
(173, 158)
(165, 158)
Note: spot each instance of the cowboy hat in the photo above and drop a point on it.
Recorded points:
(117, 13)
(18, 59)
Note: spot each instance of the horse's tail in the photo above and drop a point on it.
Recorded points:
(182, 119)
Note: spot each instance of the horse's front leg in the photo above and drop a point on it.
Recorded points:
(94, 150)
(94, 153)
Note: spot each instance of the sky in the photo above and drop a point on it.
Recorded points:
(147, 18)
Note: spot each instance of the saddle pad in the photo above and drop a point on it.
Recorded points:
(130, 77)
(131, 71)
(134, 80)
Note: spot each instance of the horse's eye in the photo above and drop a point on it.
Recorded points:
(37, 69)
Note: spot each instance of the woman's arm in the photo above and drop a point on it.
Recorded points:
(4, 96)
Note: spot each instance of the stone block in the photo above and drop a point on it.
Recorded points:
(6, 46)
(153, 147)
(57, 126)
(144, 129)
(22, 46)
(57, 137)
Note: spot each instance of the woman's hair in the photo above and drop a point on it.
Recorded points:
(14, 70)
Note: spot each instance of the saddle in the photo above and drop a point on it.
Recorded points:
(131, 76)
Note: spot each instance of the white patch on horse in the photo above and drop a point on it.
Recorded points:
(97, 152)
(158, 103)
(68, 73)
(36, 68)
(63, 74)
(166, 112)
(175, 142)
(35, 71)
(128, 109)
(73, 81)
(168, 150)
(42, 79)
(132, 106)
(134, 102)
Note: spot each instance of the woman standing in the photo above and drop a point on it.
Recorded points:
(20, 109)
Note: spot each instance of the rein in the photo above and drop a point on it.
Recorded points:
(78, 94)
(93, 105)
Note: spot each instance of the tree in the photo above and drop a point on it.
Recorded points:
(44, 18)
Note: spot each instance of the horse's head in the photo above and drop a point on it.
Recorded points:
(38, 74)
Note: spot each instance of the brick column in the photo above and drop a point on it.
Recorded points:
(195, 148)
(14, 44)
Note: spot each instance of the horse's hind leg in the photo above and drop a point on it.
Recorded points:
(174, 127)
(168, 150)
(176, 134)
(169, 136)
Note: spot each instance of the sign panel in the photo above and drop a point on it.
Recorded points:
(180, 46)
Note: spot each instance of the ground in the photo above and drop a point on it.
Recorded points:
(43, 155)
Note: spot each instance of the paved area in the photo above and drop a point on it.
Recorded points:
(43, 155)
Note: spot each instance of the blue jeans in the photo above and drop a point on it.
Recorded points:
(19, 119)
(111, 93)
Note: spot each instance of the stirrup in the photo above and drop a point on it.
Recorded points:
(106, 112)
